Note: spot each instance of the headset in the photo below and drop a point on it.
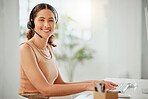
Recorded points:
(31, 25)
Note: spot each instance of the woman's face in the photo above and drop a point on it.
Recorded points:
(45, 23)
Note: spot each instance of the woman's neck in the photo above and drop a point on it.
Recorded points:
(41, 43)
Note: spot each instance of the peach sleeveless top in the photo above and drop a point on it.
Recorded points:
(46, 64)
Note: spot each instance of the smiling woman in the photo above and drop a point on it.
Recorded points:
(45, 21)
(40, 77)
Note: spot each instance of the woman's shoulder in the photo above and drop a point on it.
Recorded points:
(25, 46)
(26, 43)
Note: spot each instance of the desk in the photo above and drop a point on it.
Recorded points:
(136, 93)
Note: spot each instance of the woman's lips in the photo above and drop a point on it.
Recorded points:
(46, 31)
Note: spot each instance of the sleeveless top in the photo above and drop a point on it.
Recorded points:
(47, 66)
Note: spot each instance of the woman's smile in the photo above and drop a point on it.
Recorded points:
(46, 30)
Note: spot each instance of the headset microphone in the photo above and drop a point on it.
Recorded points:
(29, 26)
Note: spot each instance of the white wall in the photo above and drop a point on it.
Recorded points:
(116, 28)
(125, 38)
(144, 70)
(9, 54)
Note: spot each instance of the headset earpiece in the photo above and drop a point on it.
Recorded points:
(30, 26)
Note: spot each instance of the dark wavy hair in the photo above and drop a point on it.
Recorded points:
(33, 14)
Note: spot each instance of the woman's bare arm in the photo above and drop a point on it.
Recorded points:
(59, 80)
(109, 85)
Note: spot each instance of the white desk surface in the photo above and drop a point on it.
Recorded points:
(136, 93)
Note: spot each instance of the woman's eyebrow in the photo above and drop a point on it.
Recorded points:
(44, 17)
(51, 18)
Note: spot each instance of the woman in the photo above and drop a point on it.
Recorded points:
(40, 77)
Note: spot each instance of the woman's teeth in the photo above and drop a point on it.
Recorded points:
(46, 30)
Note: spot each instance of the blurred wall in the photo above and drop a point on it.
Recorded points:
(9, 54)
(125, 20)
(116, 30)
(144, 42)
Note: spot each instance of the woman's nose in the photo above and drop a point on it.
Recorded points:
(46, 25)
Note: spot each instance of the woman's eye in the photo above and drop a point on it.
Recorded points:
(50, 20)
(41, 20)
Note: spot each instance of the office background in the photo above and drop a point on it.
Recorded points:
(117, 28)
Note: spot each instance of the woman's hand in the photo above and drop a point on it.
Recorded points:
(108, 85)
